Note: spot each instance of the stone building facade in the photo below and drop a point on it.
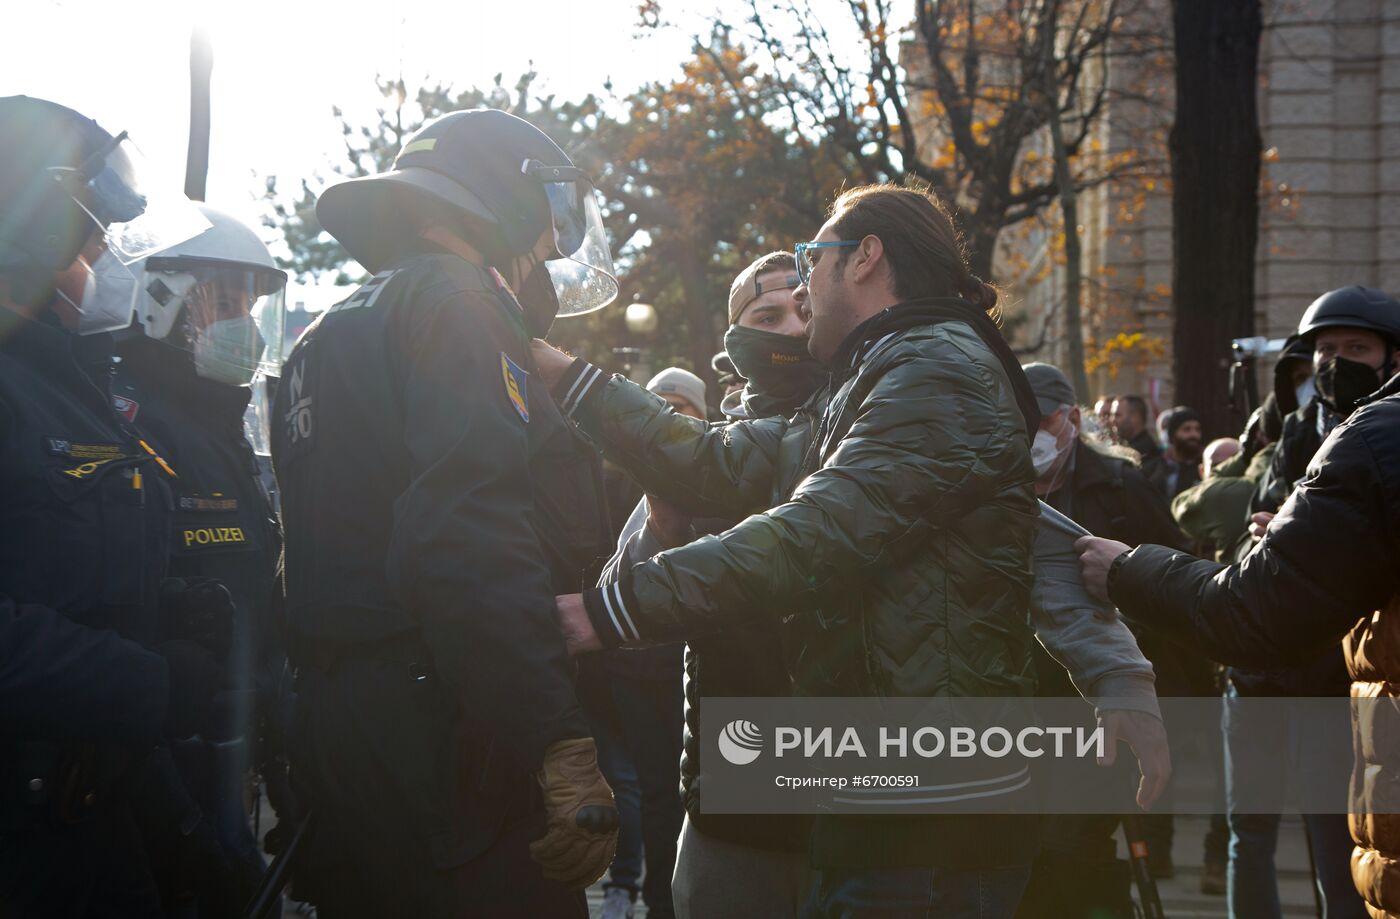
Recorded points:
(1329, 111)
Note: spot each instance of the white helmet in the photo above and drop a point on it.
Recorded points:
(218, 295)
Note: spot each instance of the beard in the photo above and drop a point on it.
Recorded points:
(1189, 449)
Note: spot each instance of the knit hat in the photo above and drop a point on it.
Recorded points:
(673, 381)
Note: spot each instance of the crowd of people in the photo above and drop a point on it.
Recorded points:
(453, 599)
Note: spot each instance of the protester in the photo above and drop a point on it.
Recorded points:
(1102, 489)
(1324, 571)
(902, 243)
(636, 720)
(1178, 468)
(1103, 415)
(905, 322)
(1215, 512)
(741, 865)
(1130, 428)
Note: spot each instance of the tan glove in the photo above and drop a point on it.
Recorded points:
(581, 837)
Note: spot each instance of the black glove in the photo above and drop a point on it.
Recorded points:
(195, 677)
(199, 610)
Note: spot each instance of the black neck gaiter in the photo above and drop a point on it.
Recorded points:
(781, 373)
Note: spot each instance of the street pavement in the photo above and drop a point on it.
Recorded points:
(1181, 895)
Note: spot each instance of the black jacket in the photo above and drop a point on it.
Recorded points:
(1327, 675)
(1327, 561)
(1110, 497)
(432, 491)
(1297, 444)
(84, 529)
(84, 513)
(1146, 447)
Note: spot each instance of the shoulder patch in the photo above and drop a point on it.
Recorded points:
(125, 407)
(516, 380)
(368, 293)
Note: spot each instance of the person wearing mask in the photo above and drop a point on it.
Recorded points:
(902, 324)
(1131, 429)
(1352, 334)
(104, 656)
(635, 708)
(206, 310)
(1101, 488)
(434, 500)
(1179, 464)
(1322, 574)
(733, 865)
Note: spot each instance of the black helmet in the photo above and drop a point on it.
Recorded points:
(63, 178)
(1353, 307)
(46, 212)
(468, 162)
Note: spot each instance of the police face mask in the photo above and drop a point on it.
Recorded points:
(227, 351)
(1342, 384)
(781, 372)
(109, 289)
(539, 300)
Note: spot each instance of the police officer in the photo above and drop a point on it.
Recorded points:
(209, 317)
(100, 658)
(434, 502)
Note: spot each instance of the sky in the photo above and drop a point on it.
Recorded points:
(281, 65)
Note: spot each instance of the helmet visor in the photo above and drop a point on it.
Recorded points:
(582, 268)
(231, 315)
(136, 220)
(257, 418)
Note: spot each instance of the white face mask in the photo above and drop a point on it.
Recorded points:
(1044, 450)
(1047, 450)
(108, 291)
(228, 351)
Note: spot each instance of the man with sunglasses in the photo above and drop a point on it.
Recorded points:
(900, 533)
(434, 501)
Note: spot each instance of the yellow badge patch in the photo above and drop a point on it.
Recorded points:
(213, 536)
(516, 380)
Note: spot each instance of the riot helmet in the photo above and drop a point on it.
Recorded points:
(65, 181)
(499, 180)
(218, 296)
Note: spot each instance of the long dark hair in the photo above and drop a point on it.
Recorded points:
(925, 252)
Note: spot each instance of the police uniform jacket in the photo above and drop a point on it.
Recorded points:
(433, 496)
(222, 525)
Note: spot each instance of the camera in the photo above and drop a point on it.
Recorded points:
(1256, 346)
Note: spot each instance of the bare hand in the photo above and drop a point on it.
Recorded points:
(550, 362)
(1147, 737)
(1259, 524)
(575, 625)
(669, 524)
(1095, 558)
